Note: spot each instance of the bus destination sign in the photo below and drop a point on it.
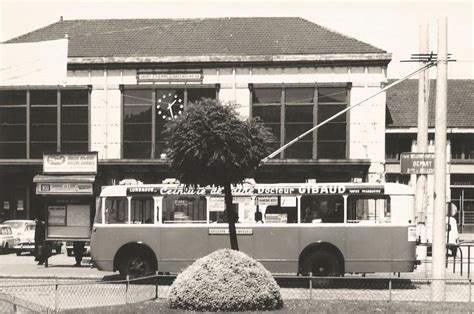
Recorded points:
(417, 163)
(257, 190)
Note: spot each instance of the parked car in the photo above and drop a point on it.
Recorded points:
(6, 238)
(24, 235)
(70, 251)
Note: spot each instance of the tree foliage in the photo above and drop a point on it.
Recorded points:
(209, 144)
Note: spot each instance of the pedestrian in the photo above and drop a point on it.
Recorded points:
(40, 250)
(78, 249)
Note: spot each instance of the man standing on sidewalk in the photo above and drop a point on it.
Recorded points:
(78, 249)
(40, 250)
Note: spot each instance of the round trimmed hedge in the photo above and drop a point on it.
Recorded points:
(225, 280)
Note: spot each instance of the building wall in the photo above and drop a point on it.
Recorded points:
(366, 122)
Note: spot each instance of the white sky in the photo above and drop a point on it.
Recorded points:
(392, 26)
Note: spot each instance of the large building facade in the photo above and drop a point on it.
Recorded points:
(126, 78)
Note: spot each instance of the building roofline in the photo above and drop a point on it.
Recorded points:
(371, 57)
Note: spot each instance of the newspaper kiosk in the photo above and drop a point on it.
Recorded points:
(67, 183)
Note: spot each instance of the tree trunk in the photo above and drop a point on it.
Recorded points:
(232, 217)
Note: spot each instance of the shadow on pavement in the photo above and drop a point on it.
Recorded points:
(295, 282)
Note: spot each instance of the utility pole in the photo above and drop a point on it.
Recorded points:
(438, 287)
(422, 147)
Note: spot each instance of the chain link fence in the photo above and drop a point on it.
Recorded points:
(55, 295)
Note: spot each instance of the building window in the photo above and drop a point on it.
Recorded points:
(137, 123)
(146, 111)
(12, 124)
(332, 136)
(58, 121)
(299, 106)
(462, 146)
(267, 107)
(397, 178)
(74, 121)
(396, 144)
(44, 119)
(289, 111)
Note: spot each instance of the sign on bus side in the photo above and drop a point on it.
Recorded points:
(417, 163)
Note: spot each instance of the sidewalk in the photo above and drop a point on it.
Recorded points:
(60, 266)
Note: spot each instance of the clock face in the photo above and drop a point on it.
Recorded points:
(169, 105)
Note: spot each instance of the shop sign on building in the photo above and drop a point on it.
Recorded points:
(64, 188)
(70, 163)
(417, 163)
(176, 76)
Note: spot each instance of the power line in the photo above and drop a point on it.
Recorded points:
(423, 68)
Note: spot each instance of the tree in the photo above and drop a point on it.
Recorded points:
(210, 145)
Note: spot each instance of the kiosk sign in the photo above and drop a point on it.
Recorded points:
(417, 163)
(70, 163)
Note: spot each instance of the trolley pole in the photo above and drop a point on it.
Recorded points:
(439, 214)
(422, 147)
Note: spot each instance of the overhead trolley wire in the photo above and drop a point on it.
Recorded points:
(423, 68)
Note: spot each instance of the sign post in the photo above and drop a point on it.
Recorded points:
(417, 163)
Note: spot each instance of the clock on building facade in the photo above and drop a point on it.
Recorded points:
(169, 105)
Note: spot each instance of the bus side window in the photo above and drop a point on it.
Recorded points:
(278, 214)
(141, 210)
(322, 208)
(98, 210)
(184, 209)
(368, 208)
(116, 210)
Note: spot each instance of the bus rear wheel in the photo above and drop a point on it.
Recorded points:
(322, 263)
(136, 266)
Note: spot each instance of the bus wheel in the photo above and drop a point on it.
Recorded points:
(322, 263)
(135, 266)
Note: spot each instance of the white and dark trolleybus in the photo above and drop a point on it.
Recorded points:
(327, 229)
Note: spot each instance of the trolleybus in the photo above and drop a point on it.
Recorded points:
(327, 229)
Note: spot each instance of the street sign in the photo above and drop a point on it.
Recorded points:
(417, 163)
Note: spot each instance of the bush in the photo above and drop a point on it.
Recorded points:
(225, 280)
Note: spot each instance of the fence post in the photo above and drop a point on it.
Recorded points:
(156, 285)
(470, 290)
(126, 288)
(56, 295)
(469, 261)
(14, 305)
(310, 285)
(390, 290)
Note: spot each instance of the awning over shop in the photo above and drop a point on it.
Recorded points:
(64, 179)
(64, 185)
